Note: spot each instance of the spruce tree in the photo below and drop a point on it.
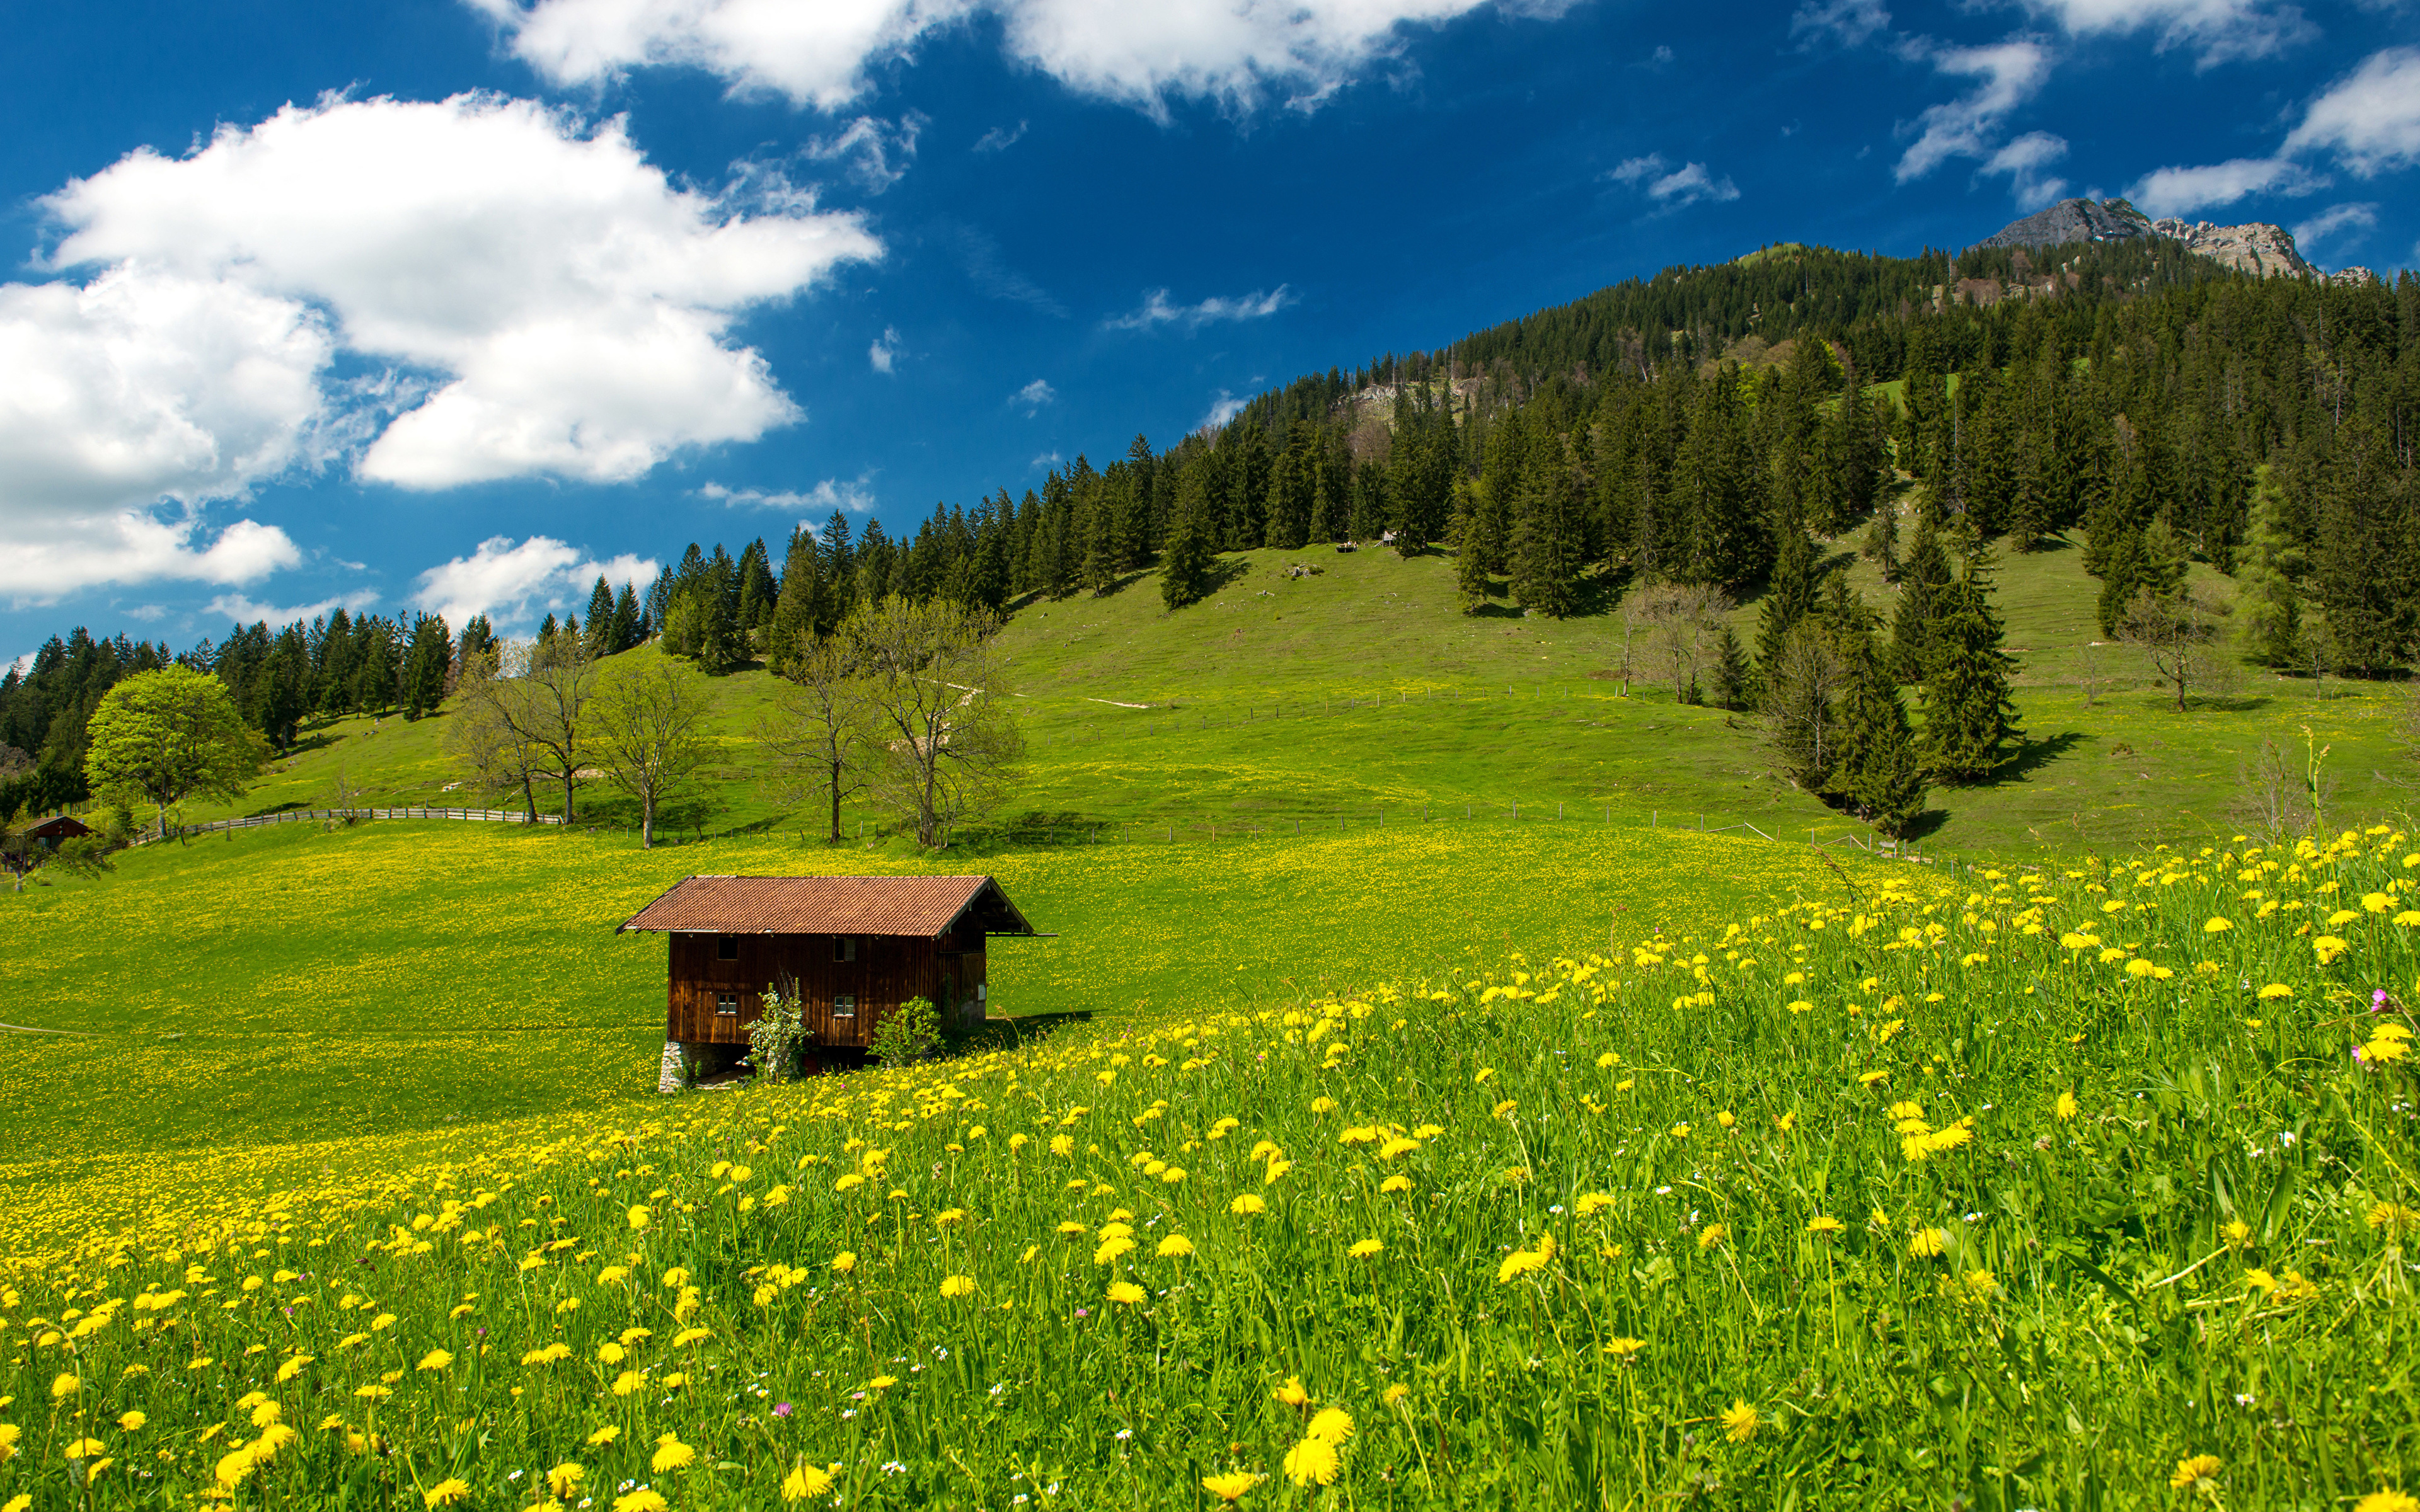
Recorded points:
(1184, 565)
(1921, 582)
(2121, 570)
(1547, 534)
(1969, 716)
(626, 618)
(601, 619)
(1472, 546)
(1732, 673)
(795, 611)
(1878, 775)
(1789, 594)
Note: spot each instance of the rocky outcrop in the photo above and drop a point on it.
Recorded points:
(2257, 247)
(2354, 277)
(2074, 219)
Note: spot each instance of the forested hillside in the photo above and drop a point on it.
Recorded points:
(1685, 429)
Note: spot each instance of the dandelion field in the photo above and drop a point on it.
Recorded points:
(2085, 1187)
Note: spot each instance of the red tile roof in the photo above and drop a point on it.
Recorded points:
(919, 906)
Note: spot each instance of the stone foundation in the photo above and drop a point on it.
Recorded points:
(710, 1059)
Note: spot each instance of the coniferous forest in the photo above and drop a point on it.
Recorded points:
(1701, 430)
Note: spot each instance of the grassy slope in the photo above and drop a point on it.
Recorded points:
(1321, 701)
(292, 984)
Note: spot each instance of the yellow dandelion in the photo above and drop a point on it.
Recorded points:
(435, 1360)
(1175, 1246)
(805, 1480)
(2388, 1500)
(1363, 1249)
(1624, 1349)
(2065, 1108)
(1126, 1292)
(1292, 1393)
(1397, 1183)
(564, 1479)
(132, 1422)
(1739, 1422)
(2198, 1473)
(958, 1286)
(603, 1436)
(1311, 1462)
(1232, 1485)
(1395, 1393)
(670, 1454)
(844, 1262)
(1334, 1425)
(642, 1500)
(1928, 1243)
(447, 1492)
(1248, 1204)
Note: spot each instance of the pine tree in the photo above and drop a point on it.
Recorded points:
(2121, 571)
(2268, 604)
(1546, 545)
(601, 619)
(1789, 594)
(1969, 716)
(1921, 582)
(426, 664)
(1877, 775)
(1185, 566)
(1473, 547)
(625, 619)
(1732, 673)
(796, 610)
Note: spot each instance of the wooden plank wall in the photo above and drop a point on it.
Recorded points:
(888, 971)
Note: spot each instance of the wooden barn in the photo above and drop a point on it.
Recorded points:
(56, 830)
(855, 948)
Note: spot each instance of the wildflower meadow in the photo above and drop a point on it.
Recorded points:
(2072, 1187)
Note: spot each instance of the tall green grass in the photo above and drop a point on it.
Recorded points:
(2079, 1188)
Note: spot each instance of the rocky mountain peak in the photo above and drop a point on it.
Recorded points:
(2074, 219)
(2256, 247)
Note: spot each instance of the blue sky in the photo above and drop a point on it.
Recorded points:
(449, 305)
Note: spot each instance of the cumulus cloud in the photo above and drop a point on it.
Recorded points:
(2175, 191)
(1223, 409)
(884, 353)
(2368, 120)
(2216, 31)
(2006, 74)
(2332, 221)
(139, 387)
(853, 494)
(2371, 118)
(1155, 310)
(876, 152)
(1672, 188)
(561, 306)
(516, 583)
(1034, 396)
(2026, 162)
(244, 610)
(1235, 54)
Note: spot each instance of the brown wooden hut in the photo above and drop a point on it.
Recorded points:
(56, 830)
(855, 948)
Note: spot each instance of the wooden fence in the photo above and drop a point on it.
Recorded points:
(296, 816)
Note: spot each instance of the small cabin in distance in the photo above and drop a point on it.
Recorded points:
(853, 949)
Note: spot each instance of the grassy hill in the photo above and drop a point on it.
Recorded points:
(1322, 701)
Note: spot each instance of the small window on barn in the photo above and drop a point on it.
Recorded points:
(726, 1005)
(844, 1006)
(844, 947)
(726, 947)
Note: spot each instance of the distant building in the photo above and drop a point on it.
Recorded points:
(850, 948)
(56, 830)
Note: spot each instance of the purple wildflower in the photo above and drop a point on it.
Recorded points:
(781, 1408)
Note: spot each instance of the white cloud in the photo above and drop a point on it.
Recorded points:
(1034, 396)
(516, 583)
(2008, 73)
(2218, 31)
(854, 494)
(1231, 52)
(561, 305)
(876, 151)
(1224, 408)
(2336, 218)
(885, 350)
(147, 613)
(2371, 116)
(2024, 161)
(1845, 23)
(245, 610)
(2175, 191)
(1156, 311)
(999, 138)
(1672, 188)
(141, 386)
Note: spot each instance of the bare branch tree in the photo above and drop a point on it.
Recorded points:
(819, 728)
(485, 729)
(562, 678)
(935, 699)
(1681, 622)
(2175, 634)
(644, 719)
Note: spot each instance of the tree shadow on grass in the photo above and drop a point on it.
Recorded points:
(2033, 755)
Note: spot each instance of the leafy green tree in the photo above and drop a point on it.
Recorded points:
(167, 735)
(643, 720)
(1969, 716)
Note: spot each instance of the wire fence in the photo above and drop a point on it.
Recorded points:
(295, 816)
